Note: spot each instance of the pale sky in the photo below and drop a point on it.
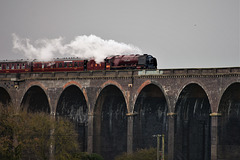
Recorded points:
(180, 33)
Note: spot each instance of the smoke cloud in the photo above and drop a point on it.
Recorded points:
(84, 47)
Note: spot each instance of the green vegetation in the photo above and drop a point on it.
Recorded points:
(86, 156)
(38, 136)
(143, 154)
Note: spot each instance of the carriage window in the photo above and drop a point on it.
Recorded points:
(13, 66)
(7, 66)
(60, 65)
(3, 66)
(65, 65)
(18, 66)
(75, 64)
(0, 67)
(42, 65)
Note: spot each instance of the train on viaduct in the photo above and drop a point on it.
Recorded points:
(119, 110)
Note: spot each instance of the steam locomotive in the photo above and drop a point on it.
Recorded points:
(118, 62)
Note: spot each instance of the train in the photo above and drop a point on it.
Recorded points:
(117, 62)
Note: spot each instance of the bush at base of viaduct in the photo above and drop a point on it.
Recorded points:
(142, 154)
(35, 136)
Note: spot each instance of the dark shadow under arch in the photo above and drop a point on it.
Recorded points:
(72, 105)
(5, 98)
(35, 100)
(151, 108)
(192, 124)
(110, 123)
(229, 123)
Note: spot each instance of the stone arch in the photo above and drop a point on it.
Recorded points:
(31, 84)
(190, 83)
(192, 124)
(35, 83)
(110, 121)
(72, 104)
(83, 90)
(199, 83)
(229, 122)
(223, 91)
(5, 97)
(143, 85)
(119, 86)
(150, 115)
(35, 99)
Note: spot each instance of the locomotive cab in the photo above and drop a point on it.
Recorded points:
(151, 62)
(147, 62)
(108, 63)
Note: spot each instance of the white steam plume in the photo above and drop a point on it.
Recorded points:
(82, 47)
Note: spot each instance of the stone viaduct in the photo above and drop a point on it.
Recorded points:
(118, 111)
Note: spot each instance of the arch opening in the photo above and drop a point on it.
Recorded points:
(110, 123)
(192, 124)
(73, 106)
(151, 108)
(229, 123)
(35, 100)
(5, 98)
